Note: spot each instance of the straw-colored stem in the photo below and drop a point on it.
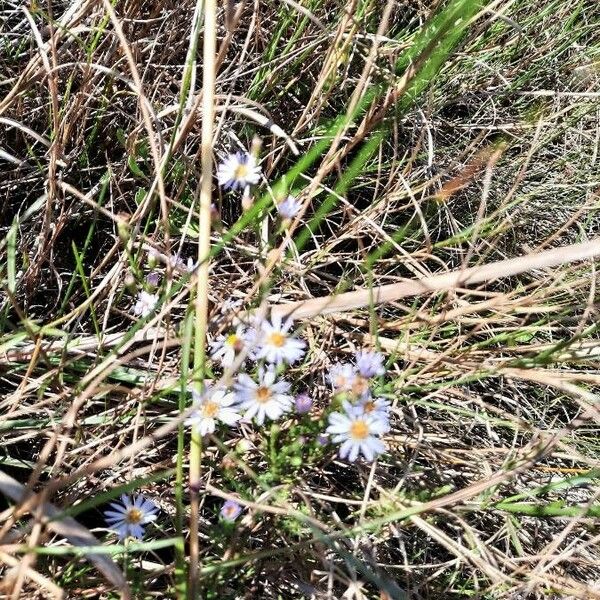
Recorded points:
(201, 300)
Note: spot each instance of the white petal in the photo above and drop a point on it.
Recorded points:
(376, 445)
(122, 531)
(345, 448)
(337, 417)
(137, 531)
(378, 425)
(206, 426)
(260, 417)
(354, 452)
(252, 410)
(273, 410)
(338, 428)
(367, 451)
(229, 416)
(149, 506)
(227, 400)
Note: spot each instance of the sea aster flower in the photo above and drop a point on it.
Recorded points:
(182, 265)
(145, 304)
(275, 344)
(211, 406)
(128, 517)
(226, 347)
(358, 432)
(289, 207)
(230, 510)
(238, 171)
(267, 398)
(341, 376)
(369, 364)
(379, 407)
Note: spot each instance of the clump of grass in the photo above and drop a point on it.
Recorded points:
(414, 180)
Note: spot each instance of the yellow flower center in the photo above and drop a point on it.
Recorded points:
(241, 171)
(369, 406)
(134, 516)
(277, 339)
(263, 394)
(209, 409)
(359, 430)
(340, 382)
(235, 342)
(360, 385)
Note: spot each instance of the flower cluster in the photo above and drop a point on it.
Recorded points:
(146, 300)
(358, 421)
(266, 396)
(357, 428)
(364, 418)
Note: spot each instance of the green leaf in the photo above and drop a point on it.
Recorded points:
(134, 167)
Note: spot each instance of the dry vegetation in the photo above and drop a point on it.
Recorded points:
(432, 137)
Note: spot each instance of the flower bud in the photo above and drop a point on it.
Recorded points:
(153, 279)
(123, 227)
(303, 404)
(130, 283)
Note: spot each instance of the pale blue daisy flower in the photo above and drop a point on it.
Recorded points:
(145, 304)
(289, 207)
(357, 432)
(275, 344)
(183, 265)
(211, 406)
(230, 510)
(267, 398)
(376, 406)
(342, 376)
(369, 363)
(238, 171)
(128, 517)
(344, 379)
(226, 348)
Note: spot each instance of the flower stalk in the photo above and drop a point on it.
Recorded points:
(201, 298)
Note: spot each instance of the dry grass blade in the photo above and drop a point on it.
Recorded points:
(44, 582)
(448, 281)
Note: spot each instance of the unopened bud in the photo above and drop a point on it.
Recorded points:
(123, 227)
(130, 283)
(322, 439)
(243, 446)
(255, 146)
(153, 258)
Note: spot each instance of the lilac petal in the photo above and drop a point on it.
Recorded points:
(354, 452)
